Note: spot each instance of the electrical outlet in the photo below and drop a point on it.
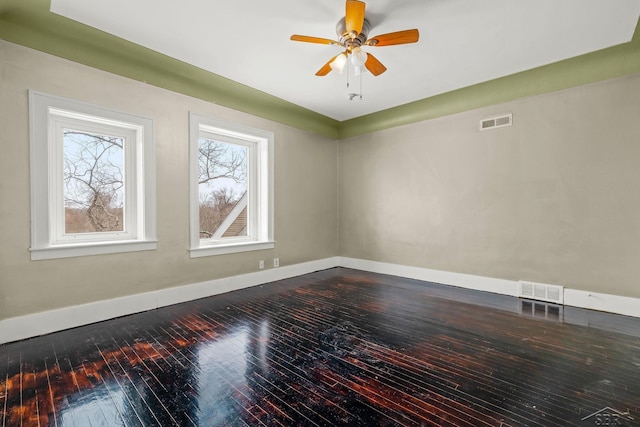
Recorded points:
(276, 262)
(261, 264)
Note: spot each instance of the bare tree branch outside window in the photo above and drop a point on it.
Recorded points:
(93, 182)
(222, 179)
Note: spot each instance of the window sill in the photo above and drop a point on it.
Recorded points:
(232, 248)
(85, 249)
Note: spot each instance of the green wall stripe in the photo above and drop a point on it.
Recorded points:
(30, 23)
(608, 63)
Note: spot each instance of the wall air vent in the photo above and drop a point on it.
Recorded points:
(542, 292)
(496, 122)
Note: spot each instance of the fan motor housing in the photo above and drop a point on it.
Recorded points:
(345, 38)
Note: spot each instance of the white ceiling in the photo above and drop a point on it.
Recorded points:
(462, 42)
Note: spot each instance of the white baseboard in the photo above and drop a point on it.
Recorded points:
(31, 325)
(616, 304)
(468, 281)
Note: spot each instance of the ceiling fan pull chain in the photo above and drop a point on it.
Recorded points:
(347, 73)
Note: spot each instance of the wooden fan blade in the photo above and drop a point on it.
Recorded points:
(374, 66)
(354, 17)
(310, 39)
(399, 37)
(326, 68)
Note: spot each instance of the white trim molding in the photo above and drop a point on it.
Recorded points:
(258, 198)
(468, 281)
(17, 328)
(616, 304)
(31, 325)
(50, 117)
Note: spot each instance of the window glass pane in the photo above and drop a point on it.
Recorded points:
(222, 184)
(93, 182)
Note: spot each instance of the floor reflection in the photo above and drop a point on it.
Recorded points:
(341, 348)
(221, 381)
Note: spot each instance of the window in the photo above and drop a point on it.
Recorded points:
(92, 179)
(231, 187)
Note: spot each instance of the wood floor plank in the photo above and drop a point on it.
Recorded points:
(373, 371)
(331, 348)
(3, 400)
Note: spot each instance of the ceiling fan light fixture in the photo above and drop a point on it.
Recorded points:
(358, 57)
(338, 64)
(353, 32)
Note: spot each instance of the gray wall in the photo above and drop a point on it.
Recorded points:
(555, 198)
(552, 199)
(305, 192)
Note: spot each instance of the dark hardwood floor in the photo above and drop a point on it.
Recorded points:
(332, 348)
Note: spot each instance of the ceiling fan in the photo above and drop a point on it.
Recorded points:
(353, 33)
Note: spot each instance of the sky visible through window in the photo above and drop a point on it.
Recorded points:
(227, 163)
(222, 181)
(93, 180)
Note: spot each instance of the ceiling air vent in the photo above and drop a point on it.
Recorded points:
(496, 122)
(542, 292)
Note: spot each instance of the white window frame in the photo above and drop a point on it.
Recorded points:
(259, 186)
(48, 116)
